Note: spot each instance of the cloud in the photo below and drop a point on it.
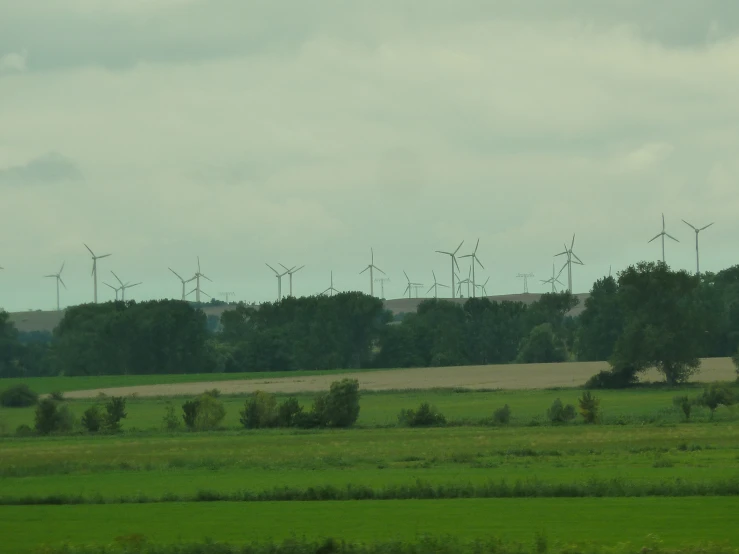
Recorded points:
(14, 62)
(46, 169)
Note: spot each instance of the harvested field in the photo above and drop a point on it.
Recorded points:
(511, 377)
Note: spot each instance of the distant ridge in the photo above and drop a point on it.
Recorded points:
(47, 321)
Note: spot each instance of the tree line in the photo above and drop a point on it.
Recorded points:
(648, 316)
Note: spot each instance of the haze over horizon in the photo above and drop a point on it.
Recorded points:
(308, 134)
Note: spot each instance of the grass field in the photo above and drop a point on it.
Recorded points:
(643, 472)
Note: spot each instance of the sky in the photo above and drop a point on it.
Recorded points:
(297, 132)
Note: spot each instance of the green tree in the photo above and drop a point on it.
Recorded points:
(93, 419)
(715, 395)
(115, 411)
(18, 396)
(340, 407)
(560, 413)
(589, 407)
(260, 411)
(601, 323)
(541, 346)
(664, 321)
(51, 417)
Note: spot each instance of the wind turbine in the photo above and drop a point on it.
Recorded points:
(474, 259)
(525, 277)
(114, 288)
(435, 285)
(409, 287)
(382, 281)
(453, 256)
(697, 256)
(372, 267)
(331, 289)
(461, 282)
(279, 279)
(197, 290)
(482, 288)
(227, 295)
(555, 279)
(183, 281)
(290, 273)
(568, 264)
(58, 277)
(124, 286)
(95, 270)
(664, 234)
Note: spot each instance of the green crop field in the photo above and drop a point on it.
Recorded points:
(642, 472)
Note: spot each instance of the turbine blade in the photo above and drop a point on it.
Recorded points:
(673, 238)
(178, 275)
(365, 269)
(208, 278)
(62, 282)
(467, 256)
(573, 241)
(103, 256)
(301, 267)
(689, 225)
(135, 284)
(111, 286)
(476, 245)
(91, 252)
(455, 263)
(560, 254)
(116, 276)
(269, 266)
(447, 253)
(51, 276)
(406, 277)
(663, 221)
(706, 227)
(578, 259)
(286, 268)
(431, 287)
(62, 268)
(198, 264)
(479, 262)
(655, 237)
(378, 269)
(458, 247)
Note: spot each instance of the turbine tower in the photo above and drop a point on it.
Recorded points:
(474, 259)
(183, 281)
(453, 256)
(409, 287)
(697, 255)
(461, 282)
(568, 264)
(663, 234)
(58, 277)
(124, 286)
(372, 267)
(555, 279)
(197, 290)
(290, 274)
(279, 279)
(482, 288)
(114, 288)
(95, 270)
(436, 285)
(382, 281)
(227, 295)
(331, 289)
(525, 277)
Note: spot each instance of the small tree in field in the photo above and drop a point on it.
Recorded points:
(684, 404)
(115, 411)
(559, 413)
(260, 410)
(92, 419)
(52, 418)
(190, 413)
(502, 416)
(589, 407)
(715, 395)
(342, 403)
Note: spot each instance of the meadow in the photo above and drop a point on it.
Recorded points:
(641, 473)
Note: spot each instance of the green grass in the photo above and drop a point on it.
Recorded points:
(602, 521)
(640, 405)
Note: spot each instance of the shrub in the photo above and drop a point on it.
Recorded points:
(341, 407)
(615, 378)
(589, 407)
(23, 431)
(51, 418)
(215, 393)
(425, 416)
(115, 410)
(203, 413)
(260, 411)
(170, 422)
(92, 419)
(684, 404)
(559, 413)
(57, 395)
(715, 395)
(18, 396)
(502, 416)
(289, 412)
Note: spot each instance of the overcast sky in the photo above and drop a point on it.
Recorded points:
(307, 132)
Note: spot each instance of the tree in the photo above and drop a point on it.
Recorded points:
(340, 407)
(560, 413)
(541, 346)
(684, 404)
(715, 395)
(18, 396)
(601, 322)
(425, 416)
(52, 418)
(93, 419)
(589, 407)
(260, 411)
(664, 321)
(115, 411)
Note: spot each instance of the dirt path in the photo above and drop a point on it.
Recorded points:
(531, 376)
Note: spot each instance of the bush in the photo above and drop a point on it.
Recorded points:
(23, 431)
(289, 412)
(684, 404)
(615, 378)
(92, 419)
(51, 418)
(170, 422)
(203, 413)
(342, 403)
(425, 416)
(57, 395)
(115, 410)
(589, 407)
(18, 396)
(541, 346)
(715, 395)
(502, 416)
(559, 413)
(260, 411)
